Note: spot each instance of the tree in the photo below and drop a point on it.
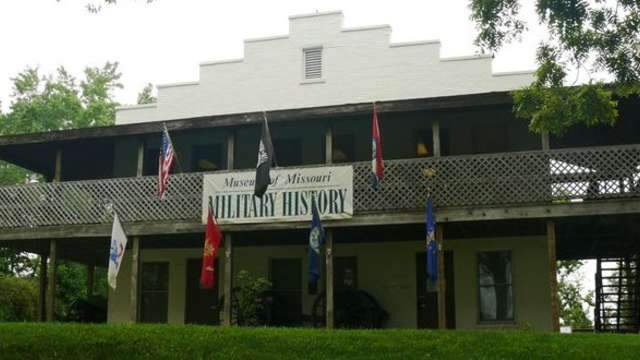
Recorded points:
(95, 6)
(596, 36)
(55, 102)
(146, 95)
(45, 103)
(571, 295)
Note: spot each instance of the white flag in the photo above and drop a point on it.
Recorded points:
(118, 244)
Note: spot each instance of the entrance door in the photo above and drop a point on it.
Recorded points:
(286, 277)
(427, 294)
(201, 304)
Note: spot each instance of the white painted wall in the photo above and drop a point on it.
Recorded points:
(359, 65)
(387, 270)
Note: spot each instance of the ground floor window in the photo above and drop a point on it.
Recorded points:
(495, 286)
(286, 276)
(154, 295)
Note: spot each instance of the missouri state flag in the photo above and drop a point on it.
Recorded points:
(211, 244)
(431, 245)
(377, 164)
(265, 160)
(316, 241)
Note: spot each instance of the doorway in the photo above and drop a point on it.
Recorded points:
(427, 294)
(286, 278)
(201, 305)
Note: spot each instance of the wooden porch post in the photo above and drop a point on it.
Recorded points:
(435, 130)
(328, 159)
(329, 278)
(140, 165)
(57, 175)
(442, 281)
(51, 280)
(545, 141)
(42, 289)
(231, 145)
(228, 278)
(328, 145)
(553, 280)
(135, 269)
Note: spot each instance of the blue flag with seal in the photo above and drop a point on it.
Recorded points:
(431, 245)
(316, 240)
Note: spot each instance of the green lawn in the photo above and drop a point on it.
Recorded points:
(71, 341)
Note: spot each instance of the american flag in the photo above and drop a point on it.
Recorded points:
(167, 154)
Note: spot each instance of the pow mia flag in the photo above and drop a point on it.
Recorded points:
(265, 159)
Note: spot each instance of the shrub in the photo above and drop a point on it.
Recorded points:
(18, 299)
(249, 293)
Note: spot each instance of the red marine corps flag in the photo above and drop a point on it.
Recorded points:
(211, 243)
(377, 165)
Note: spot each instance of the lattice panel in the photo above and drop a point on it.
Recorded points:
(502, 179)
(89, 202)
(455, 181)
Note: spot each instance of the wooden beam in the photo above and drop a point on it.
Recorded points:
(42, 289)
(328, 144)
(91, 278)
(140, 163)
(57, 174)
(544, 138)
(553, 280)
(228, 278)
(435, 130)
(231, 145)
(51, 280)
(442, 281)
(589, 208)
(241, 119)
(135, 286)
(329, 279)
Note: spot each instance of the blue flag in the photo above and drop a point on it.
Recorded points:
(316, 241)
(431, 245)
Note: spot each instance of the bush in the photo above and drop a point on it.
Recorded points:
(18, 299)
(80, 341)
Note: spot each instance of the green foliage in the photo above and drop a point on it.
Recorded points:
(18, 299)
(570, 293)
(600, 36)
(96, 6)
(45, 103)
(79, 341)
(146, 95)
(248, 294)
(13, 262)
(71, 286)
(54, 102)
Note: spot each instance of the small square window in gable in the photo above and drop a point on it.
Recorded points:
(312, 63)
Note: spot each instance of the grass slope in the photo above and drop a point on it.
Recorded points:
(75, 341)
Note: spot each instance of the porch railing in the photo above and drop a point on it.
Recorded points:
(517, 178)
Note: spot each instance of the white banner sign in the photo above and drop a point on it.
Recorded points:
(287, 199)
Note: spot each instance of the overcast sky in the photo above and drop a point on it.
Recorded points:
(164, 42)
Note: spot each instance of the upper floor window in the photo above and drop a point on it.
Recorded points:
(288, 152)
(207, 158)
(150, 162)
(312, 63)
(495, 286)
(424, 143)
(343, 148)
